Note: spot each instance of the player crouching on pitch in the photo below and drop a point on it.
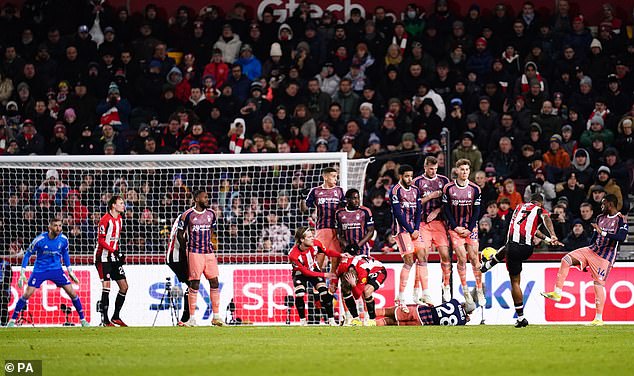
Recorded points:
(451, 313)
(303, 258)
(361, 276)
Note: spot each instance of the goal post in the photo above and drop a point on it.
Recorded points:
(256, 198)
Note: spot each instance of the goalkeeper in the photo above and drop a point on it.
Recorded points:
(355, 225)
(49, 248)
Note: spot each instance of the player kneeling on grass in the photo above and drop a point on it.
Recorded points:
(362, 276)
(451, 313)
(49, 248)
(610, 229)
(303, 258)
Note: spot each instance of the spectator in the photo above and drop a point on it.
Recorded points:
(577, 238)
(573, 193)
(509, 192)
(596, 194)
(29, 140)
(206, 140)
(556, 160)
(504, 159)
(59, 144)
(596, 129)
(542, 186)
(466, 149)
(605, 180)
(229, 44)
(54, 187)
(561, 221)
(587, 216)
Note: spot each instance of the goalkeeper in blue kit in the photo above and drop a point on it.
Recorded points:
(49, 248)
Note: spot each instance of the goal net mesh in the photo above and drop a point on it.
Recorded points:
(256, 200)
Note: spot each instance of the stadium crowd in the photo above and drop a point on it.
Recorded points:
(537, 103)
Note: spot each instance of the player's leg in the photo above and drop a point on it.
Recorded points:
(211, 273)
(196, 265)
(76, 303)
(458, 244)
(104, 270)
(599, 268)
(518, 299)
(574, 258)
(445, 266)
(180, 270)
(326, 300)
(349, 301)
(300, 283)
(406, 248)
(118, 275)
(472, 250)
(498, 257)
(422, 274)
(19, 306)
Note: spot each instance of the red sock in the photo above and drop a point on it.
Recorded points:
(193, 296)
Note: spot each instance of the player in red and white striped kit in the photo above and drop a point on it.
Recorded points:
(109, 261)
(303, 258)
(523, 230)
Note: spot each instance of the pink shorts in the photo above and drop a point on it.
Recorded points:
(202, 263)
(406, 245)
(458, 241)
(434, 233)
(328, 237)
(599, 267)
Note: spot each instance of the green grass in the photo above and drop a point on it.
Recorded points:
(325, 351)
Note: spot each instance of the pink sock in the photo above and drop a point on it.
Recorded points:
(404, 277)
(446, 272)
(417, 279)
(462, 273)
(564, 268)
(215, 300)
(192, 297)
(599, 297)
(421, 273)
(478, 276)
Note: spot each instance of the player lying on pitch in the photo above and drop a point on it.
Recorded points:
(451, 313)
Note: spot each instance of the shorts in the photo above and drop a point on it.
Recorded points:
(599, 267)
(202, 264)
(300, 282)
(458, 241)
(56, 276)
(515, 254)
(408, 246)
(377, 279)
(110, 270)
(180, 269)
(328, 238)
(434, 233)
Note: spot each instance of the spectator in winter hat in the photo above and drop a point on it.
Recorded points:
(605, 180)
(596, 129)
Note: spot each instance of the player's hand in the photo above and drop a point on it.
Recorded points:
(459, 229)
(21, 280)
(414, 235)
(596, 228)
(329, 275)
(351, 279)
(436, 194)
(346, 255)
(433, 215)
(73, 277)
(556, 243)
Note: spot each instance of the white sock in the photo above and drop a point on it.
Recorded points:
(558, 290)
(598, 316)
(217, 316)
(417, 292)
(426, 292)
(520, 318)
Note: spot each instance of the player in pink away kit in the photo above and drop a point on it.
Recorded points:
(406, 211)
(303, 258)
(327, 198)
(433, 231)
(195, 230)
(610, 229)
(109, 261)
(461, 199)
(523, 230)
(355, 225)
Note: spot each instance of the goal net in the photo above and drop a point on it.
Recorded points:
(256, 199)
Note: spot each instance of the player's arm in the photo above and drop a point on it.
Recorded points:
(548, 223)
(25, 261)
(446, 208)
(66, 258)
(293, 258)
(101, 236)
(180, 234)
(340, 234)
(398, 213)
(355, 284)
(305, 205)
(620, 234)
(473, 222)
(419, 213)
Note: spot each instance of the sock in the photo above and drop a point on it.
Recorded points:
(564, 268)
(519, 309)
(105, 304)
(478, 276)
(78, 307)
(426, 292)
(446, 272)
(494, 260)
(301, 307)
(193, 296)
(326, 302)
(352, 305)
(118, 303)
(421, 273)
(418, 292)
(404, 278)
(215, 301)
(18, 307)
(185, 316)
(462, 273)
(369, 304)
(599, 299)
(416, 281)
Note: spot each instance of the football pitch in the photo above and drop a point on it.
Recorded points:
(471, 350)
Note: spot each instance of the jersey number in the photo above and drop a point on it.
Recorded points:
(523, 215)
(446, 315)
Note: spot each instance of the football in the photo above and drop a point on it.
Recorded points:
(487, 253)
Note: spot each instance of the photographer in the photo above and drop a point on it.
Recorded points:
(542, 186)
(560, 221)
(114, 109)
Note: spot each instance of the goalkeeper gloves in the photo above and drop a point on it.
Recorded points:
(22, 279)
(72, 275)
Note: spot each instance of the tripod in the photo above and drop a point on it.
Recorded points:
(171, 303)
(67, 312)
